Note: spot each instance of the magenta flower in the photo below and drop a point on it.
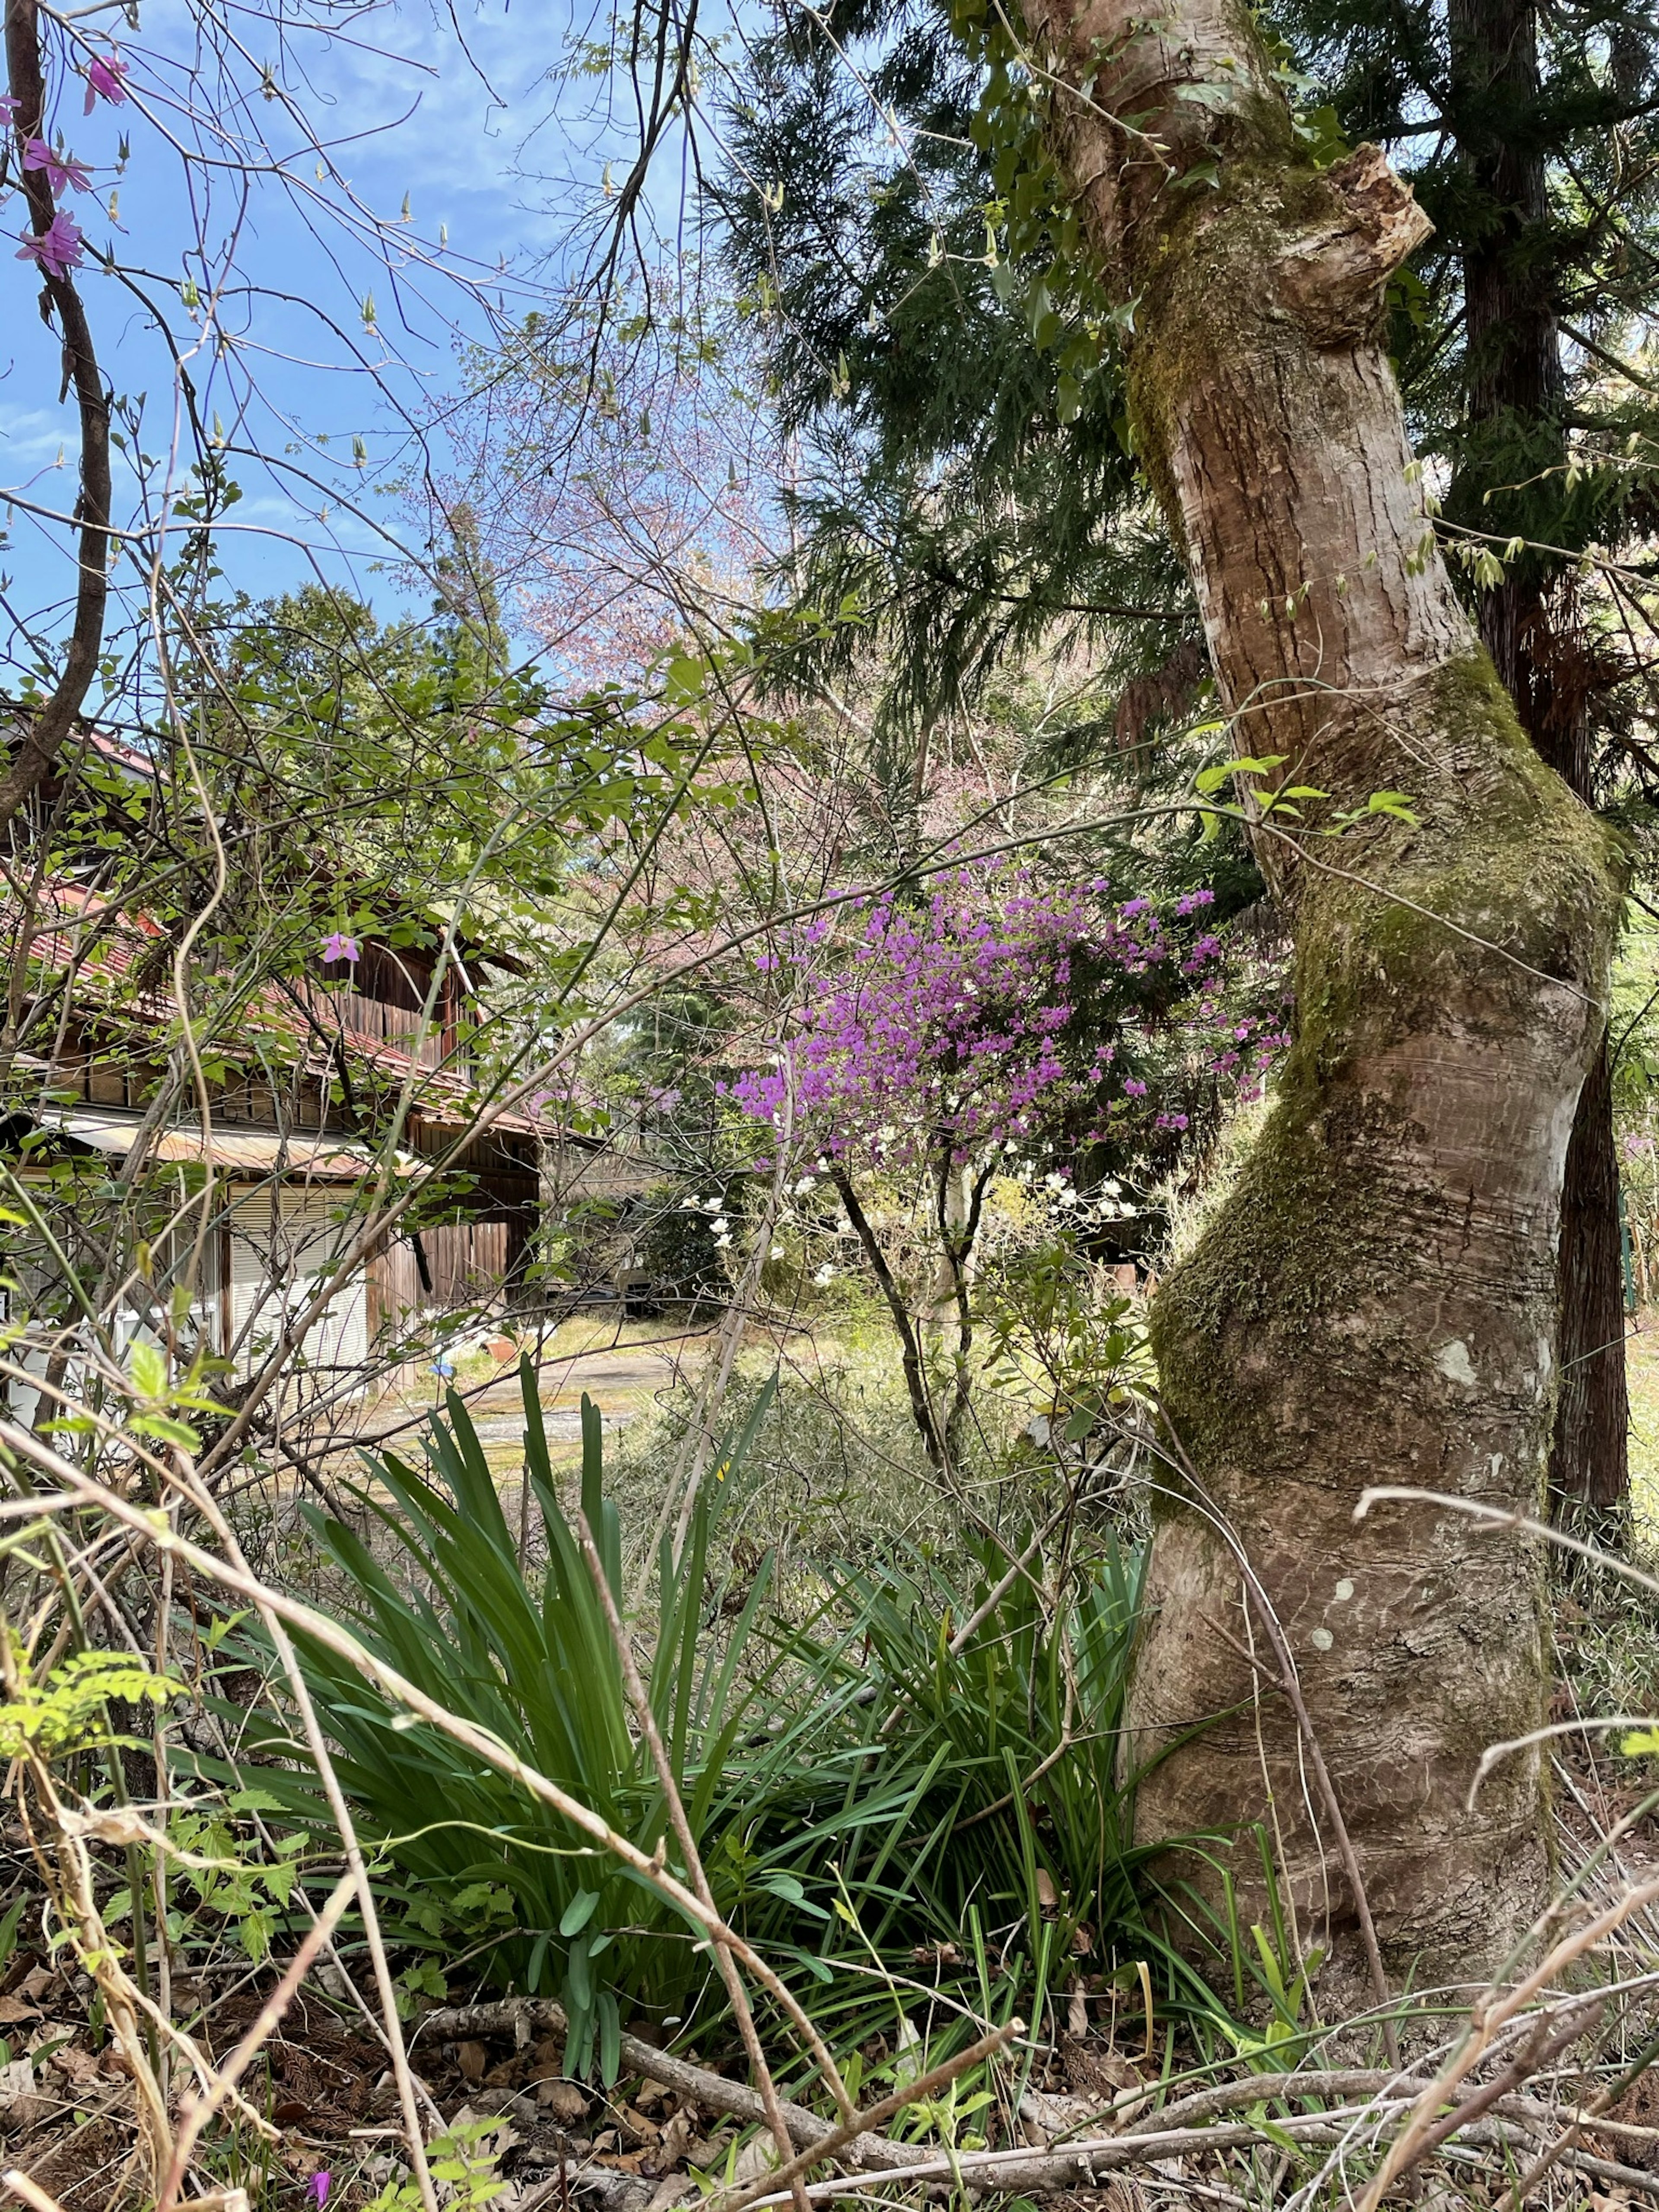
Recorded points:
(61, 169)
(57, 248)
(104, 82)
(7, 111)
(339, 946)
(320, 2183)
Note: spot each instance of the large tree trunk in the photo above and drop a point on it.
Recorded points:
(1516, 392)
(1375, 1302)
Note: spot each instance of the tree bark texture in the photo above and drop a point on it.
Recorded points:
(43, 736)
(1375, 1304)
(1515, 389)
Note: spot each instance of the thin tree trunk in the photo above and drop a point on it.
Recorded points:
(1375, 1302)
(1589, 1454)
(916, 1371)
(1515, 391)
(43, 736)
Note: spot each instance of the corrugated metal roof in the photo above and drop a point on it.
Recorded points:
(258, 1153)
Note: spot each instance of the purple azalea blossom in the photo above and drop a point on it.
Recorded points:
(339, 946)
(103, 77)
(969, 1022)
(8, 110)
(57, 248)
(63, 170)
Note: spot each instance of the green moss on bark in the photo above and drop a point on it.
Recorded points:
(1457, 919)
(1205, 289)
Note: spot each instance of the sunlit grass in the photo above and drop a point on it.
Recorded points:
(1642, 1358)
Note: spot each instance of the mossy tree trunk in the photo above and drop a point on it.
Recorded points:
(1375, 1304)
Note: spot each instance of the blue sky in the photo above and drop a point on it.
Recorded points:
(475, 121)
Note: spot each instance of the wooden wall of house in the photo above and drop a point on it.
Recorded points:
(382, 996)
(468, 1263)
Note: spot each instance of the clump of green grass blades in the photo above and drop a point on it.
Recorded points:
(492, 1879)
(861, 1793)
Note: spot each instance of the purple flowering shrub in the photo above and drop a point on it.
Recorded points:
(939, 1040)
(982, 1018)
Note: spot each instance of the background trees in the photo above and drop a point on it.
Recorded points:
(807, 749)
(1536, 176)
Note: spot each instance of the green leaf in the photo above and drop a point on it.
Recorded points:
(684, 679)
(579, 1910)
(147, 1368)
(166, 1431)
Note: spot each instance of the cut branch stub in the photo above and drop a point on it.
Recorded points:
(1334, 281)
(1374, 1301)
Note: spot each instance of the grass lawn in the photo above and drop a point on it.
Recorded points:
(1643, 1345)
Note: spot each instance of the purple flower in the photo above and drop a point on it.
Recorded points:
(7, 111)
(1134, 1087)
(319, 2186)
(339, 946)
(63, 170)
(104, 80)
(57, 248)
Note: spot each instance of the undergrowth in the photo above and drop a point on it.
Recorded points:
(905, 1783)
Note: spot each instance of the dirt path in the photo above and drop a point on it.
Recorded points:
(621, 1378)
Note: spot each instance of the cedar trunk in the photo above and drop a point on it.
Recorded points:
(1375, 1302)
(1515, 391)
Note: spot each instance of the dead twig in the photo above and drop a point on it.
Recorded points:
(737, 1995)
(197, 2110)
(1493, 2012)
(848, 2131)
